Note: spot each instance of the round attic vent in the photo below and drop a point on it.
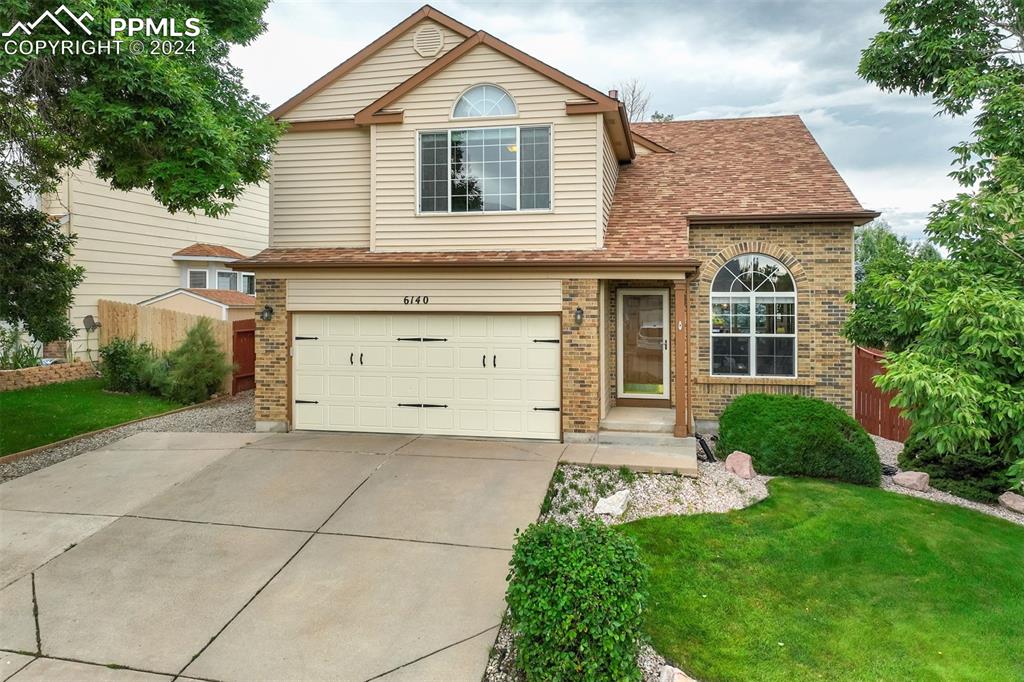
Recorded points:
(428, 41)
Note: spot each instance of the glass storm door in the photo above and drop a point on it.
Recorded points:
(643, 360)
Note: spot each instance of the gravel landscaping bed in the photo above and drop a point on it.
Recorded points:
(888, 452)
(234, 414)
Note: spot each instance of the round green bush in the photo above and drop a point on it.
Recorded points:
(789, 435)
(576, 598)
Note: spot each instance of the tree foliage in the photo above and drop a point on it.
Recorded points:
(877, 238)
(36, 279)
(957, 325)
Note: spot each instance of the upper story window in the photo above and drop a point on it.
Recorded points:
(198, 279)
(753, 318)
(484, 100)
(485, 169)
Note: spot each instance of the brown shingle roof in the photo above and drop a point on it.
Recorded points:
(208, 251)
(755, 167)
(749, 169)
(226, 296)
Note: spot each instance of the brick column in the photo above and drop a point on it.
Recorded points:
(272, 357)
(581, 360)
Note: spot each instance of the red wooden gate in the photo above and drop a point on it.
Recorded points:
(243, 354)
(872, 408)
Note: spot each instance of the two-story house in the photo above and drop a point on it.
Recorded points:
(134, 250)
(467, 241)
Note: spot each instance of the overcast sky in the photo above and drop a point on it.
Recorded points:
(698, 58)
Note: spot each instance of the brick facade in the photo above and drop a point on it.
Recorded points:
(272, 356)
(13, 379)
(581, 357)
(820, 258)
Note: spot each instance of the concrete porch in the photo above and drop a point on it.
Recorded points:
(641, 439)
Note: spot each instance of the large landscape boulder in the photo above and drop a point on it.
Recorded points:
(914, 480)
(741, 464)
(670, 674)
(1012, 501)
(613, 505)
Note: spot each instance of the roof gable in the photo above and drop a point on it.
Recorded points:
(300, 107)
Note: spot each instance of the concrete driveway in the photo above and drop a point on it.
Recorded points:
(294, 556)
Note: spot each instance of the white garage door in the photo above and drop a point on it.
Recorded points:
(453, 374)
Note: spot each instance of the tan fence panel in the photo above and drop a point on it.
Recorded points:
(163, 329)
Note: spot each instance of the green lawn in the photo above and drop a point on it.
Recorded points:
(827, 581)
(36, 416)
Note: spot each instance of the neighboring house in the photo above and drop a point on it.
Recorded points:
(467, 241)
(133, 249)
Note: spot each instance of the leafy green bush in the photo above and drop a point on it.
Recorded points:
(576, 598)
(193, 371)
(797, 436)
(977, 474)
(13, 353)
(1016, 475)
(123, 361)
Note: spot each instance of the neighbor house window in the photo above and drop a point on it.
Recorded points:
(198, 279)
(753, 318)
(484, 100)
(227, 279)
(248, 283)
(485, 169)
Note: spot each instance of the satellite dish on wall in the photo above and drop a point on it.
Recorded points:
(90, 323)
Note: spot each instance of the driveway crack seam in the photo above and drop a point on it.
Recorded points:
(421, 542)
(269, 580)
(417, 660)
(35, 616)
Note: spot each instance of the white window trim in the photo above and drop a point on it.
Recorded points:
(752, 335)
(666, 358)
(515, 104)
(449, 131)
(188, 278)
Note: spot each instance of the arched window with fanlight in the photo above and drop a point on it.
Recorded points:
(482, 101)
(753, 318)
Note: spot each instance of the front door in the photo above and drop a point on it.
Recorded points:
(643, 359)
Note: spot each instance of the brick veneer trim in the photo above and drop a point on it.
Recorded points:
(272, 361)
(581, 357)
(14, 379)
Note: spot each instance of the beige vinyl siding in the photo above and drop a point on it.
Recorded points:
(485, 295)
(573, 221)
(321, 189)
(609, 176)
(125, 240)
(386, 69)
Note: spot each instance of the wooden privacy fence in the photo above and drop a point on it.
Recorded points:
(243, 344)
(166, 329)
(872, 405)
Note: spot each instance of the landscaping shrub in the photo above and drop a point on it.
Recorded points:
(576, 598)
(13, 353)
(797, 436)
(123, 364)
(193, 371)
(979, 474)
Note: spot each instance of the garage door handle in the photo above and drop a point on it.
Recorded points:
(360, 358)
(483, 360)
(419, 405)
(351, 359)
(308, 402)
(494, 361)
(419, 338)
(547, 409)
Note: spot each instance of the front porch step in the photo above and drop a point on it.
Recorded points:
(654, 439)
(639, 419)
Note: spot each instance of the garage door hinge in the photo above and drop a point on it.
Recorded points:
(419, 405)
(547, 409)
(546, 341)
(419, 338)
(308, 402)
(307, 338)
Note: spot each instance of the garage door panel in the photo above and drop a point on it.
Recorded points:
(457, 374)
